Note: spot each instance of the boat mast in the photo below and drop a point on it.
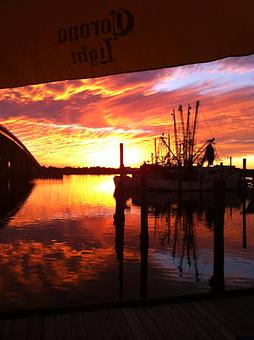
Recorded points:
(176, 139)
(180, 109)
(188, 136)
(155, 152)
(194, 131)
(169, 148)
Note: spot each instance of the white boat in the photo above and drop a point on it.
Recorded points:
(204, 180)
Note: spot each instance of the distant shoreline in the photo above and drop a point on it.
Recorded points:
(85, 171)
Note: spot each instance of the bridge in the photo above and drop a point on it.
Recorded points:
(15, 158)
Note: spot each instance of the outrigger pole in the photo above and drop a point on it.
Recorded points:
(176, 140)
(187, 151)
(194, 130)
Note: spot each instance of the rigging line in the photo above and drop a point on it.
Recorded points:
(206, 123)
(217, 158)
(221, 153)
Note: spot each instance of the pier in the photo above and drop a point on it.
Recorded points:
(228, 317)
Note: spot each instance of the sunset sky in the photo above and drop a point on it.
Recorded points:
(82, 122)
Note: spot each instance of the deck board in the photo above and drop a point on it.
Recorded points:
(18, 329)
(92, 327)
(165, 326)
(230, 316)
(78, 331)
(182, 332)
(135, 324)
(63, 327)
(5, 328)
(226, 318)
(49, 331)
(189, 322)
(245, 304)
(192, 322)
(211, 324)
(152, 328)
(123, 330)
(167, 323)
(107, 326)
(34, 328)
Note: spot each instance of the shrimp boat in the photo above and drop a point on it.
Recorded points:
(178, 163)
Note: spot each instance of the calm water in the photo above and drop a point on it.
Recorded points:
(67, 242)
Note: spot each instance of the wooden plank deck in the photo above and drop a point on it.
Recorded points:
(225, 318)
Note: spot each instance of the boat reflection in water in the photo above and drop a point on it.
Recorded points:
(176, 218)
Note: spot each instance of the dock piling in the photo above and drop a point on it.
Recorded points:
(217, 280)
(121, 168)
(121, 157)
(244, 203)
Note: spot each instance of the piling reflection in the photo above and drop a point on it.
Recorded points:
(178, 213)
(180, 228)
(119, 220)
(244, 212)
(217, 279)
(144, 243)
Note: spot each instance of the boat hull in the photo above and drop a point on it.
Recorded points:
(204, 181)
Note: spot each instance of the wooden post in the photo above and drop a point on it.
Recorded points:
(244, 175)
(143, 179)
(155, 151)
(119, 222)
(244, 204)
(244, 163)
(121, 156)
(244, 224)
(144, 238)
(217, 280)
(180, 176)
(244, 167)
(121, 168)
(144, 243)
(230, 161)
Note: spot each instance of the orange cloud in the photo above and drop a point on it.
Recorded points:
(81, 122)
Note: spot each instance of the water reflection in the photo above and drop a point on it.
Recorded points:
(58, 247)
(144, 245)
(182, 214)
(72, 242)
(217, 279)
(119, 220)
(13, 194)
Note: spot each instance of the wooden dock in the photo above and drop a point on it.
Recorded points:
(223, 318)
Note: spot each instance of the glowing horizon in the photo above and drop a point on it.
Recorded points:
(81, 122)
